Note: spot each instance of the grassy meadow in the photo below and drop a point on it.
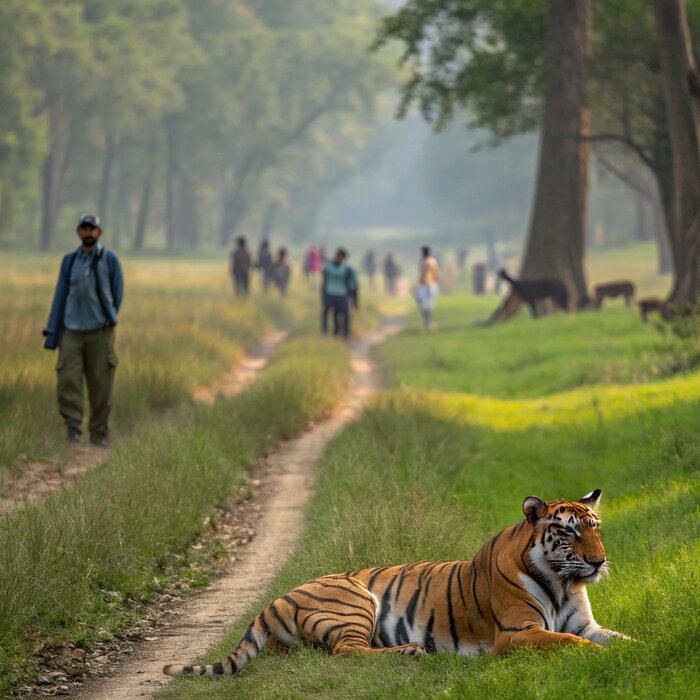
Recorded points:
(179, 327)
(474, 421)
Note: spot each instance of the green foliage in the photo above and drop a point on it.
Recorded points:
(479, 55)
(683, 355)
(178, 106)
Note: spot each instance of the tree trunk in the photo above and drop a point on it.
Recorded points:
(236, 209)
(188, 213)
(677, 64)
(556, 238)
(107, 162)
(642, 225)
(271, 213)
(119, 210)
(236, 203)
(61, 142)
(170, 232)
(664, 260)
(49, 209)
(146, 190)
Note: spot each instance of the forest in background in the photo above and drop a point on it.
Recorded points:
(187, 122)
(180, 118)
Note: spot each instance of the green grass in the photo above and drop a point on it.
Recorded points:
(124, 526)
(178, 329)
(444, 460)
(526, 357)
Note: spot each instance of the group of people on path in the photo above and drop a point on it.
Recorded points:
(89, 293)
(315, 259)
(390, 268)
(275, 272)
(340, 287)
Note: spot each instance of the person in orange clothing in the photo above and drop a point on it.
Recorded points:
(427, 288)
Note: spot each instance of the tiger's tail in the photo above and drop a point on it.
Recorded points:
(248, 648)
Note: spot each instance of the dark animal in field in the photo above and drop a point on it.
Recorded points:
(655, 304)
(612, 290)
(533, 291)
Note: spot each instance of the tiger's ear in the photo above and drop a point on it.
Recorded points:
(591, 499)
(534, 508)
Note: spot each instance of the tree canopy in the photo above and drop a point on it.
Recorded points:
(179, 119)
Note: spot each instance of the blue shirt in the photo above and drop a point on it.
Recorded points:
(83, 308)
(109, 277)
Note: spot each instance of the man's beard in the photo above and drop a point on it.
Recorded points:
(89, 241)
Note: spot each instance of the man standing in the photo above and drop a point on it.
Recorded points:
(369, 266)
(427, 288)
(281, 272)
(391, 273)
(339, 290)
(265, 264)
(81, 324)
(240, 268)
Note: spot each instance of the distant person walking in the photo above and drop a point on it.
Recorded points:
(240, 268)
(264, 264)
(462, 257)
(495, 264)
(427, 287)
(391, 273)
(312, 263)
(81, 324)
(281, 272)
(369, 266)
(339, 290)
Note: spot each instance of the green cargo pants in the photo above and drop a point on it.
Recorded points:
(91, 354)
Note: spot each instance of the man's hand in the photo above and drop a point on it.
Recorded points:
(51, 342)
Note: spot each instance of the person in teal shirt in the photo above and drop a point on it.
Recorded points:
(339, 290)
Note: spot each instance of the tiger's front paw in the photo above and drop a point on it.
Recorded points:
(411, 650)
(603, 636)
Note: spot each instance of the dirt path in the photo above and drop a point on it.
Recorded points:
(242, 373)
(204, 618)
(36, 479)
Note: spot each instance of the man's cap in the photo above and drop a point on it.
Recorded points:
(89, 220)
(343, 252)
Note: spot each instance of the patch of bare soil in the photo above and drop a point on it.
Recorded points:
(258, 534)
(30, 481)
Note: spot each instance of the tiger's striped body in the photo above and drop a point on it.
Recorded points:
(527, 585)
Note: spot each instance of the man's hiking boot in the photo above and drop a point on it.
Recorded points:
(73, 435)
(99, 442)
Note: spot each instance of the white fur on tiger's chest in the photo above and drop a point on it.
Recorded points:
(555, 618)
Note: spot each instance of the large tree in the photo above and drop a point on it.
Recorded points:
(682, 99)
(487, 57)
(556, 237)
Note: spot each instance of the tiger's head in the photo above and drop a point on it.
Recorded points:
(567, 538)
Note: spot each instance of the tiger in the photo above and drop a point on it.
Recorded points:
(525, 587)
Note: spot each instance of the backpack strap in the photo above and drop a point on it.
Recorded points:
(98, 288)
